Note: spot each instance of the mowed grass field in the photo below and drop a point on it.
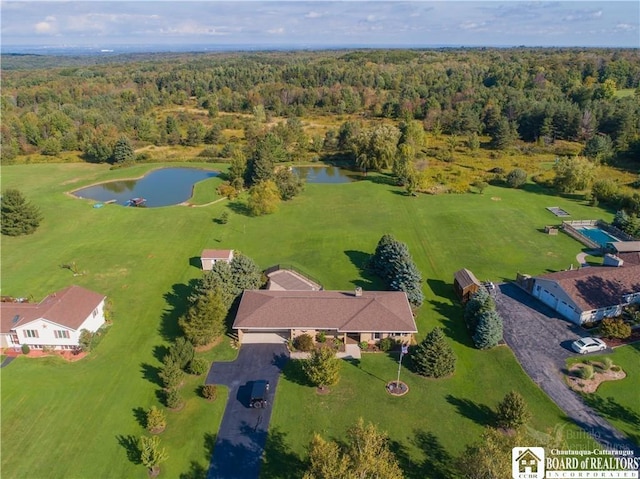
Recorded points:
(75, 420)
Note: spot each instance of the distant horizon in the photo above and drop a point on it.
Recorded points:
(222, 24)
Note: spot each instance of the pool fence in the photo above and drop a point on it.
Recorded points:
(570, 228)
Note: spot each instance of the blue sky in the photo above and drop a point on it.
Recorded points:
(322, 23)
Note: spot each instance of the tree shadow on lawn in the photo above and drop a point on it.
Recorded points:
(360, 260)
(612, 409)
(197, 470)
(294, 373)
(358, 364)
(140, 414)
(437, 463)
(239, 207)
(131, 446)
(151, 374)
(196, 262)
(478, 413)
(178, 302)
(280, 462)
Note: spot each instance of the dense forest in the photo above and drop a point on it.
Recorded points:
(364, 105)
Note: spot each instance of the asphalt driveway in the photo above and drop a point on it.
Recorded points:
(242, 435)
(541, 341)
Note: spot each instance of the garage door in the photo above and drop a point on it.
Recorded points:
(271, 337)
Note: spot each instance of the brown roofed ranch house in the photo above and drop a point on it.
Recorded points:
(590, 293)
(350, 316)
(209, 257)
(54, 322)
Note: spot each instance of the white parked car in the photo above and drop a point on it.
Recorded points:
(588, 345)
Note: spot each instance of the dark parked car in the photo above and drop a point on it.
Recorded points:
(259, 392)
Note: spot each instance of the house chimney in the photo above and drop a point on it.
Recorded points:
(358, 291)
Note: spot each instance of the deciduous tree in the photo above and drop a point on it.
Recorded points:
(264, 198)
(574, 174)
(322, 367)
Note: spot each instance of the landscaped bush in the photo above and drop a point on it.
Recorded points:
(304, 342)
(156, 420)
(321, 337)
(363, 345)
(586, 371)
(25, 349)
(209, 391)
(386, 344)
(181, 352)
(516, 178)
(607, 363)
(198, 366)
(615, 328)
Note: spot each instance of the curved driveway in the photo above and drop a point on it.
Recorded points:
(241, 438)
(541, 341)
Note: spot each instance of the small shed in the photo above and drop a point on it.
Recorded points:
(465, 284)
(209, 257)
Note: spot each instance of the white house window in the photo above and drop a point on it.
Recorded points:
(61, 334)
(395, 335)
(95, 312)
(377, 335)
(30, 333)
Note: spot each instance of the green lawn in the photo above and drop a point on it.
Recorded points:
(72, 420)
(618, 401)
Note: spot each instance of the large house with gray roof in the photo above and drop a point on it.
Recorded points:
(348, 316)
(55, 322)
(591, 293)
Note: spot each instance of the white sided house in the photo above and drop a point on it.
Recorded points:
(209, 257)
(591, 293)
(55, 322)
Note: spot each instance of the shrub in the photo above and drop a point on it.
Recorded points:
(516, 178)
(386, 344)
(433, 357)
(586, 371)
(321, 337)
(25, 349)
(615, 328)
(363, 345)
(209, 391)
(512, 411)
(173, 400)
(304, 342)
(198, 366)
(171, 374)
(607, 363)
(156, 420)
(86, 338)
(322, 368)
(181, 352)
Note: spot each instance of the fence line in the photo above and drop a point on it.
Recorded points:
(278, 267)
(568, 228)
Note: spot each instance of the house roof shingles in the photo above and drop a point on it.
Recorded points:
(68, 307)
(598, 286)
(216, 253)
(465, 278)
(373, 311)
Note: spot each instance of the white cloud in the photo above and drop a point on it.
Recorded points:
(44, 28)
(276, 31)
(625, 27)
(313, 15)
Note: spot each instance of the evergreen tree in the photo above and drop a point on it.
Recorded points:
(408, 279)
(289, 184)
(245, 274)
(170, 374)
(434, 357)
(512, 411)
(480, 302)
(489, 330)
(122, 151)
(19, 216)
(151, 455)
(156, 420)
(322, 367)
(181, 352)
(204, 321)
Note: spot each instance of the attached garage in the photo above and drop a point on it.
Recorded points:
(274, 336)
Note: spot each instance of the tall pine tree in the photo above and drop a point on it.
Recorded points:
(433, 357)
(19, 216)
(489, 330)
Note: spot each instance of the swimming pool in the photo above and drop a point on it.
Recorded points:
(597, 235)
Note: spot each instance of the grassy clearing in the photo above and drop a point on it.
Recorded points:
(617, 401)
(144, 258)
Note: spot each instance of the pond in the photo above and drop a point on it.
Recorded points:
(163, 187)
(325, 174)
